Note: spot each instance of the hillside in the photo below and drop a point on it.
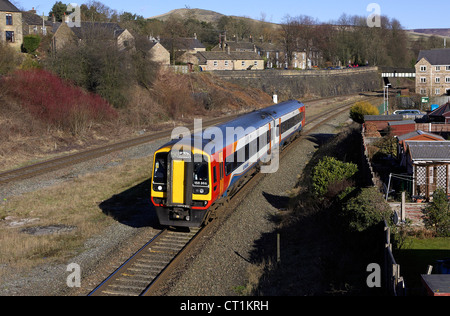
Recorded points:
(202, 15)
(430, 32)
(199, 14)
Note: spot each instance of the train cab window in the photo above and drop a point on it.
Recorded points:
(201, 174)
(160, 172)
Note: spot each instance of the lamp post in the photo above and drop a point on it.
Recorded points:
(386, 99)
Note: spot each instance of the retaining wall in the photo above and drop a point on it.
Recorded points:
(292, 84)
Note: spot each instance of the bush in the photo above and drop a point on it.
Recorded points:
(360, 109)
(437, 215)
(9, 59)
(57, 102)
(330, 171)
(366, 210)
(31, 43)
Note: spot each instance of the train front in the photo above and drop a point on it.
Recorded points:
(181, 181)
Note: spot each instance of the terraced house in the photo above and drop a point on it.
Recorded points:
(10, 24)
(433, 72)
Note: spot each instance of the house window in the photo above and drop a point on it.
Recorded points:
(226, 63)
(438, 91)
(438, 80)
(423, 68)
(423, 80)
(423, 91)
(447, 68)
(9, 19)
(216, 63)
(255, 63)
(10, 36)
(447, 79)
(438, 68)
(243, 63)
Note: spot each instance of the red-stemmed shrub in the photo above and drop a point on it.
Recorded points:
(56, 101)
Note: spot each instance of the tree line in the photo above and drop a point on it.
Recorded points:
(348, 40)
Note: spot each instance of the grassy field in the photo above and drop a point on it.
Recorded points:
(74, 206)
(418, 254)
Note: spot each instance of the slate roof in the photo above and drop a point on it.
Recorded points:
(111, 29)
(443, 110)
(436, 56)
(8, 6)
(33, 19)
(383, 118)
(396, 123)
(429, 150)
(182, 43)
(204, 56)
(418, 133)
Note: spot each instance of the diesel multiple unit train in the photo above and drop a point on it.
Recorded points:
(192, 173)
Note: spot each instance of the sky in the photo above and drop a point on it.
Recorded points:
(412, 14)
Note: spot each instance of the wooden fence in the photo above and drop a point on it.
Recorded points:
(394, 283)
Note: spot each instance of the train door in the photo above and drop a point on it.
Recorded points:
(276, 136)
(221, 173)
(179, 174)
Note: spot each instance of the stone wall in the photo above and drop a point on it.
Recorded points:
(291, 84)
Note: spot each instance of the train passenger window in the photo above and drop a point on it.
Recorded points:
(160, 174)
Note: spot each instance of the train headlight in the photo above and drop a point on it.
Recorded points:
(159, 187)
(202, 191)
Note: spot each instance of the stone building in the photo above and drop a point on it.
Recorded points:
(159, 53)
(210, 61)
(63, 33)
(10, 24)
(433, 72)
(34, 24)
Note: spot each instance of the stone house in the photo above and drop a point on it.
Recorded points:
(10, 25)
(159, 53)
(183, 49)
(63, 33)
(210, 61)
(433, 72)
(273, 54)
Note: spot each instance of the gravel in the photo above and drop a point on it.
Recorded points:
(220, 268)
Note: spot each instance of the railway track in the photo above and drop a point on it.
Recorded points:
(138, 273)
(151, 265)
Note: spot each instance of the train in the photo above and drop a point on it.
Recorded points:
(193, 173)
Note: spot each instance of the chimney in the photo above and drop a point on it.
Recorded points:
(32, 10)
